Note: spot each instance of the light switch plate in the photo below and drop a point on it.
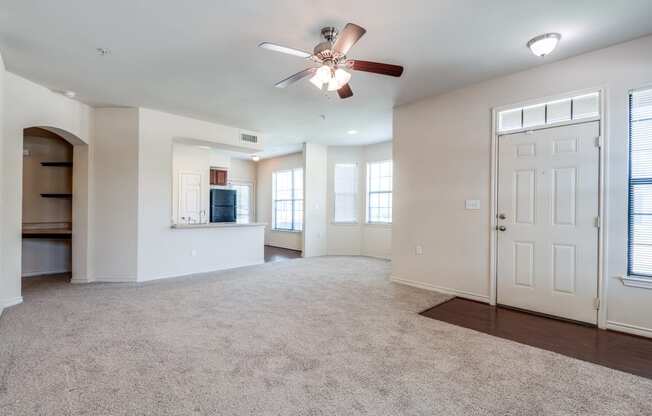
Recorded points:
(472, 204)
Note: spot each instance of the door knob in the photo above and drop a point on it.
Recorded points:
(502, 216)
(501, 228)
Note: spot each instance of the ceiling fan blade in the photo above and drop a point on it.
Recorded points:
(348, 37)
(296, 77)
(284, 49)
(345, 91)
(376, 68)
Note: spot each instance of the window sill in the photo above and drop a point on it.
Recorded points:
(379, 224)
(277, 230)
(635, 281)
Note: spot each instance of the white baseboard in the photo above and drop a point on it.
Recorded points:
(80, 280)
(5, 303)
(630, 329)
(44, 273)
(175, 275)
(115, 279)
(446, 290)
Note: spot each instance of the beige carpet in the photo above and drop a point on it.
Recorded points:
(325, 336)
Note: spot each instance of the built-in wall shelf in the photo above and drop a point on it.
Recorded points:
(61, 196)
(57, 164)
(48, 234)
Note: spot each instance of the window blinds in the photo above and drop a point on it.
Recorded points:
(346, 192)
(640, 184)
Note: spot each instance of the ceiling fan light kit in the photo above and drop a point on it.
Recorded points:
(331, 57)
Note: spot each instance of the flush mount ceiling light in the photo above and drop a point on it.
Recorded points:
(255, 158)
(103, 51)
(542, 45)
(352, 132)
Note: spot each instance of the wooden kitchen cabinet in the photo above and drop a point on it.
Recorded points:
(218, 177)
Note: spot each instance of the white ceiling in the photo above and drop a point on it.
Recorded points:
(200, 57)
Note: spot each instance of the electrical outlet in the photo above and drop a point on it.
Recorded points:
(418, 250)
(193, 253)
(472, 204)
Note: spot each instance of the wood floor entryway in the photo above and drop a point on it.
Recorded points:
(611, 349)
(279, 254)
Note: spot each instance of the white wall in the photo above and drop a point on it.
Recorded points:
(45, 256)
(115, 179)
(266, 167)
(166, 252)
(5, 286)
(373, 240)
(442, 157)
(31, 105)
(242, 170)
(315, 215)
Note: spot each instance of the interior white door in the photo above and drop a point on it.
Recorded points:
(548, 184)
(190, 201)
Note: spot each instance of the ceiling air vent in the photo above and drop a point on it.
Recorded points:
(249, 138)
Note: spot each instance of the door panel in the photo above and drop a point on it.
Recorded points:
(190, 198)
(548, 196)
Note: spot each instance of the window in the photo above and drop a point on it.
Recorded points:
(379, 192)
(551, 112)
(639, 260)
(287, 194)
(346, 193)
(243, 202)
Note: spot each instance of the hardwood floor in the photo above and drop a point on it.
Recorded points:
(279, 254)
(611, 349)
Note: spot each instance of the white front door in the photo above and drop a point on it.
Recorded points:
(548, 184)
(190, 200)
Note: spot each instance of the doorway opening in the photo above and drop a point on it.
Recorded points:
(46, 206)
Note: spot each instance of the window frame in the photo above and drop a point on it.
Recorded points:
(355, 194)
(368, 194)
(252, 198)
(644, 279)
(294, 173)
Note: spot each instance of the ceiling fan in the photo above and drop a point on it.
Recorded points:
(331, 57)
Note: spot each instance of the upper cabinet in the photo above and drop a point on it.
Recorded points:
(218, 177)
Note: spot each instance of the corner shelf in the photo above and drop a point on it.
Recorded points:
(57, 164)
(60, 196)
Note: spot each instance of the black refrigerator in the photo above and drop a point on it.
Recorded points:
(223, 205)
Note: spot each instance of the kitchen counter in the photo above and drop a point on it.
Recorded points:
(217, 225)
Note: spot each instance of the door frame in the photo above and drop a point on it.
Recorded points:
(602, 185)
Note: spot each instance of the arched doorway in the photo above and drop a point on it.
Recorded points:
(54, 214)
(46, 204)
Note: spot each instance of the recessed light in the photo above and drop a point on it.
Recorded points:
(352, 132)
(102, 51)
(69, 94)
(255, 158)
(542, 45)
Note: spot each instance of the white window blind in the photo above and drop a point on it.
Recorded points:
(379, 192)
(639, 260)
(287, 204)
(345, 192)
